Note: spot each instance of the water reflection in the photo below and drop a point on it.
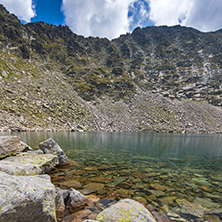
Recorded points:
(140, 144)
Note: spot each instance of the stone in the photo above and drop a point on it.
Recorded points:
(216, 177)
(35, 151)
(70, 184)
(123, 193)
(157, 186)
(25, 147)
(9, 146)
(118, 180)
(51, 147)
(157, 193)
(28, 164)
(26, 198)
(168, 199)
(193, 210)
(124, 185)
(202, 181)
(101, 179)
(82, 214)
(206, 203)
(87, 191)
(94, 186)
(126, 210)
(59, 201)
(207, 189)
(76, 200)
(90, 220)
(141, 200)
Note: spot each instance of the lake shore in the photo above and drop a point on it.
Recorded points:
(169, 187)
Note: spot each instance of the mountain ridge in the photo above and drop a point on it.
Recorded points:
(150, 80)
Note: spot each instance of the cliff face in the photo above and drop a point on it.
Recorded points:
(155, 79)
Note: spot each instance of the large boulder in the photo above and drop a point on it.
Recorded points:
(10, 145)
(26, 198)
(28, 164)
(50, 146)
(126, 210)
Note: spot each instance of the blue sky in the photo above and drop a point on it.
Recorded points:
(111, 18)
(48, 11)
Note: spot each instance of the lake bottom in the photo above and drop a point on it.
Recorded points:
(173, 189)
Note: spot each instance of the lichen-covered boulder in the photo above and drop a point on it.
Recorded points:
(28, 164)
(126, 210)
(26, 198)
(9, 145)
(50, 146)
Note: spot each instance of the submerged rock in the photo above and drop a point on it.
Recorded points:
(10, 145)
(126, 210)
(192, 210)
(51, 147)
(28, 164)
(26, 198)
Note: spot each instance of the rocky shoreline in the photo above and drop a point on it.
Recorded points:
(27, 193)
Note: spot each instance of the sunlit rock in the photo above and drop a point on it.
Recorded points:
(26, 198)
(9, 145)
(126, 210)
(28, 164)
(51, 147)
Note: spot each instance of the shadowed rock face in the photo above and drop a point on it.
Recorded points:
(150, 80)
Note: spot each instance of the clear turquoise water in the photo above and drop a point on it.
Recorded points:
(142, 144)
(187, 166)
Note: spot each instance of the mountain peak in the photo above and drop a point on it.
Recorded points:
(70, 79)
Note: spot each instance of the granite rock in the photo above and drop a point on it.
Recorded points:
(26, 198)
(51, 147)
(28, 164)
(9, 145)
(126, 210)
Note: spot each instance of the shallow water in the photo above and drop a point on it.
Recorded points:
(172, 173)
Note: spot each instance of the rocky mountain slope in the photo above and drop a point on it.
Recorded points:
(164, 79)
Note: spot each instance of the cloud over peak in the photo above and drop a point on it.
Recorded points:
(104, 18)
(203, 15)
(25, 10)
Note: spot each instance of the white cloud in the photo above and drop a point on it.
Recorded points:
(24, 9)
(168, 12)
(109, 18)
(204, 15)
(103, 18)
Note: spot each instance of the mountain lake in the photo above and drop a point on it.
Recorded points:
(178, 175)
